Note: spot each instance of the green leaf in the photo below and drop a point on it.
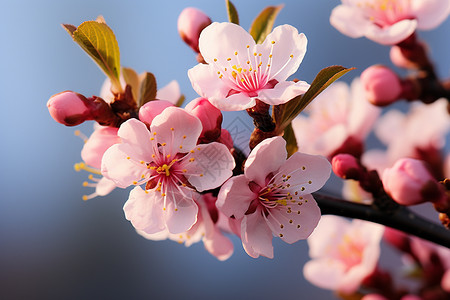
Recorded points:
(291, 142)
(180, 101)
(132, 79)
(262, 25)
(148, 89)
(233, 16)
(99, 42)
(285, 113)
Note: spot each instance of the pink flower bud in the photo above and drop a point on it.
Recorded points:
(151, 109)
(99, 141)
(409, 182)
(69, 108)
(445, 282)
(191, 22)
(346, 166)
(209, 115)
(382, 85)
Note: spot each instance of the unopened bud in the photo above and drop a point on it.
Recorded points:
(69, 108)
(151, 109)
(346, 166)
(382, 85)
(209, 115)
(409, 182)
(191, 22)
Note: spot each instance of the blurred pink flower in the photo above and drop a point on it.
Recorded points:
(273, 197)
(382, 85)
(340, 117)
(206, 229)
(191, 22)
(166, 159)
(388, 22)
(239, 71)
(343, 253)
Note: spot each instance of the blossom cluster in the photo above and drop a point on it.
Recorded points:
(190, 182)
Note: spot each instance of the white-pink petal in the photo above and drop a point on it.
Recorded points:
(180, 211)
(256, 235)
(267, 157)
(145, 210)
(177, 129)
(393, 34)
(283, 92)
(430, 13)
(135, 133)
(235, 196)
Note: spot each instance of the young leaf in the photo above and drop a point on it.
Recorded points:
(148, 89)
(291, 142)
(233, 16)
(285, 113)
(180, 101)
(132, 79)
(99, 42)
(262, 25)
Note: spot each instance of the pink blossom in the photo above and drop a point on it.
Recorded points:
(100, 140)
(409, 182)
(388, 22)
(339, 117)
(191, 22)
(346, 166)
(406, 136)
(239, 71)
(373, 297)
(166, 159)
(206, 229)
(69, 108)
(343, 253)
(273, 196)
(382, 85)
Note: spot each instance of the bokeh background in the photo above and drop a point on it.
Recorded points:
(53, 245)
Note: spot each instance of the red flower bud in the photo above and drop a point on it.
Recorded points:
(346, 166)
(209, 115)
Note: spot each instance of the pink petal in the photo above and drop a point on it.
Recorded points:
(208, 166)
(236, 102)
(221, 40)
(206, 82)
(256, 235)
(104, 186)
(170, 92)
(135, 133)
(178, 129)
(308, 172)
(329, 231)
(235, 196)
(215, 242)
(145, 210)
(123, 171)
(349, 21)
(283, 92)
(393, 34)
(287, 42)
(324, 272)
(267, 157)
(294, 222)
(180, 211)
(431, 13)
(100, 140)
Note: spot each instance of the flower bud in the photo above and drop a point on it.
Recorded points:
(151, 109)
(409, 182)
(346, 166)
(373, 297)
(69, 108)
(191, 22)
(209, 115)
(382, 85)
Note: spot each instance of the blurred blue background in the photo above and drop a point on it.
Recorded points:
(53, 245)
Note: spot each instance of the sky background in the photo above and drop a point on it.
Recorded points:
(53, 245)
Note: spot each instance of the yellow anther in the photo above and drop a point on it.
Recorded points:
(270, 55)
(163, 144)
(91, 176)
(142, 162)
(85, 198)
(184, 170)
(176, 209)
(152, 139)
(273, 42)
(163, 194)
(220, 77)
(181, 147)
(228, 59)
(164, 208)
(168, 155)
(85, 183)
(184, 136)
(153, 155)
(128, 157)
(235, 53)
(192, 151)
(248, 62)
(146, 191)
(215, 59)
(201, 175)
(191, 159)
(154, 133)
(291, 56)
(143, 176)
(134, 182)
(77, 132)
(248, 46)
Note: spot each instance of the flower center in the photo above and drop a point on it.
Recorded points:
(386, 12)
(164, 169)
(251, 73)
